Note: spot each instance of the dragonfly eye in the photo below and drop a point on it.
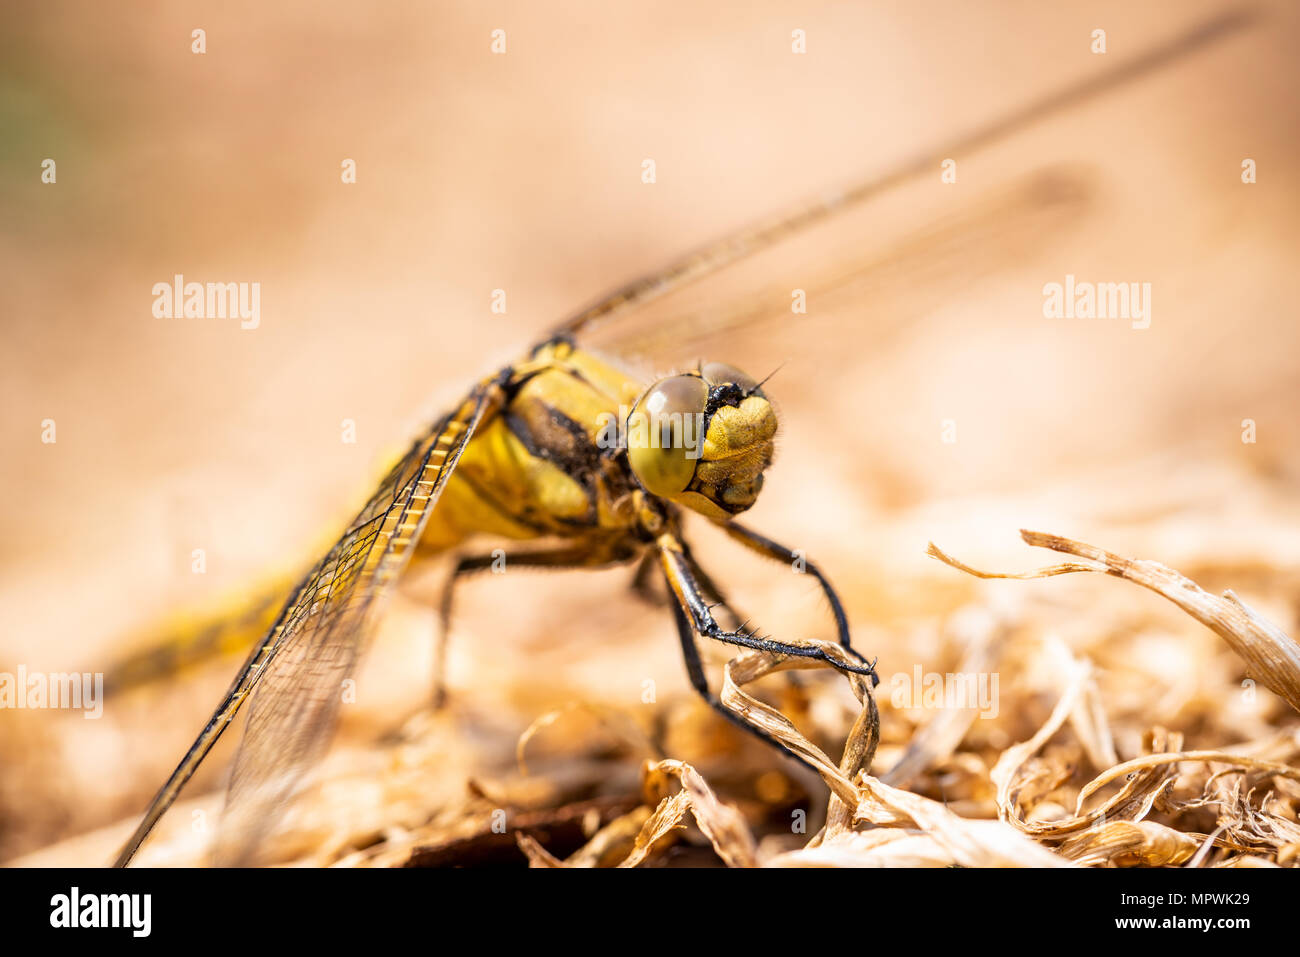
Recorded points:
(665, 434)
(720, 374)
(703, 439)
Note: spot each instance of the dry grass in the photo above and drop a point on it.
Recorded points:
(1047, 815)
(1066, 774)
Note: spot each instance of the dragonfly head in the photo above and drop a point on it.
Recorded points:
(703, 439)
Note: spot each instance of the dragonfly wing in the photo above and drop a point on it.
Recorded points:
(293, 677)
(715, 257)
(849, 269)
(295, 704)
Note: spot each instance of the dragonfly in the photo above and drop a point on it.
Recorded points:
(567, 447)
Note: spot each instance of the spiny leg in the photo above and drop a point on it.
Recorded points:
(695, 670)
(778, 552)
(643, 587)
(720, 600)
(712, 588)
(685, 588)
(643, 579)
(464, 566)
(648, 567)
(577, 556)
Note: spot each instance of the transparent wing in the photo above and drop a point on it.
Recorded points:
(601, 324)
(295, 673)
(862, 300)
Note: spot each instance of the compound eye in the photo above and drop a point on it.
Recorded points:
(719, 373)
(665, 434)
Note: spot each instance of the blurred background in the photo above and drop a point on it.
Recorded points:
(924, 396)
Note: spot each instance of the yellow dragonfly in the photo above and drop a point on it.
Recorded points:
(566, 447)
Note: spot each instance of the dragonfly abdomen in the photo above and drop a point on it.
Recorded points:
(192, 640)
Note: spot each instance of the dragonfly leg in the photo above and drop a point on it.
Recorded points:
(642, 583)
(685, 588)
(577, 556)
(643, 586)
(695, 670)
(778, 552)
(711, 587)
(722, 601)
(464, 566)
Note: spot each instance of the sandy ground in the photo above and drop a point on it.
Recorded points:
(923, 397)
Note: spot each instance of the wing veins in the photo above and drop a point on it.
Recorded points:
(736, 246)
(334, 573)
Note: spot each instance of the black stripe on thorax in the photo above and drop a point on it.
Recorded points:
(552, 435)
